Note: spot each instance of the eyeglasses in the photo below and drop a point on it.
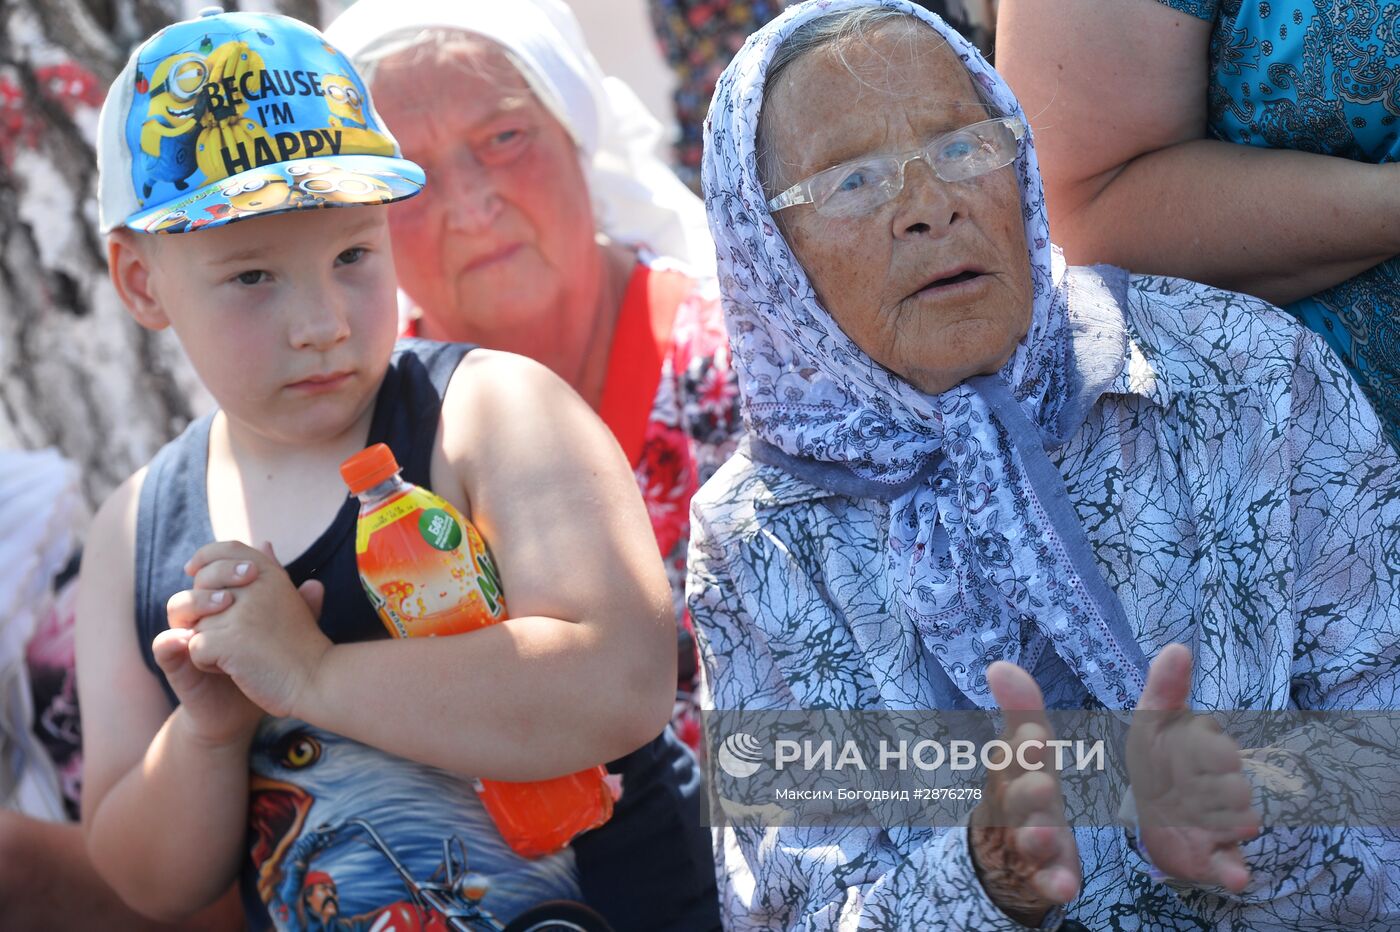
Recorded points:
(860, 186)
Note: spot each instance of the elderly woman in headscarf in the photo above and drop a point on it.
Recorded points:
(551, 228)
(979, 479)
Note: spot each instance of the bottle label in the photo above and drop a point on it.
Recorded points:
(439, 529)
(425, 567)
(488, 580)
(382, 518)
(387, 614)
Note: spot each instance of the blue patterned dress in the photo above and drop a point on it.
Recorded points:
(1320, 76)
(1239, 498)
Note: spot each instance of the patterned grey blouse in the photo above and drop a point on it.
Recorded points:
(1238, 496)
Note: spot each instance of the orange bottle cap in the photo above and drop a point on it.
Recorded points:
(368, 468)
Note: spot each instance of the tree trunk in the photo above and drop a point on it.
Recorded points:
(76, 372)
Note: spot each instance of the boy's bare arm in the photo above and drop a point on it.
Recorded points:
(586, 669)
(582, 673)
(163, 806)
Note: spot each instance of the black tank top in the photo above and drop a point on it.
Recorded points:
(650, 867)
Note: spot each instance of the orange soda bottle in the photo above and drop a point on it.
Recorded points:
(428, 573)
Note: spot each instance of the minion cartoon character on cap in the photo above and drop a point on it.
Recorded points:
(304, 184)
(171, 126)
(176, 221)
(345, 102)
(335, 185)
(257, 193)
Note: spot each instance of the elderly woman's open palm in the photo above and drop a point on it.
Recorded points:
(1193, 799)
(1024, 849)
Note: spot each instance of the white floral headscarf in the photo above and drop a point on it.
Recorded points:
(983, 550)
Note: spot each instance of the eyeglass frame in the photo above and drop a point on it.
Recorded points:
(801, 193)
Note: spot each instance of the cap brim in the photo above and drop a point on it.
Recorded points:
(301, 184)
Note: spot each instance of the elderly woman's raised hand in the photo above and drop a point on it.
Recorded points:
(1193, 799)
(1023, 848)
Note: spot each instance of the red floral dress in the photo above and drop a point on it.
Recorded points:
(671, 399)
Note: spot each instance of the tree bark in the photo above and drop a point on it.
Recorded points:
(76, 372)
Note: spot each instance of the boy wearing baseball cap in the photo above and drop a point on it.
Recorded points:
(258, 723)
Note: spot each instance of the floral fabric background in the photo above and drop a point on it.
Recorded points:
(1320, 76)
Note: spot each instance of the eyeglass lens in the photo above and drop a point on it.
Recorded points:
(860, 186)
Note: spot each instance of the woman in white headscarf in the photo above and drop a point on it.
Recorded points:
(978, 479)
(552, 229)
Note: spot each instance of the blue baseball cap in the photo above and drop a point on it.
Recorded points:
(235, 115)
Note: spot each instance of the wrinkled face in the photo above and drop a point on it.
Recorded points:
(935, 284)
(289, 319)
(505, 222)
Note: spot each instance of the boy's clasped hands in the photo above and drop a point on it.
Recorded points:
(243, 641)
